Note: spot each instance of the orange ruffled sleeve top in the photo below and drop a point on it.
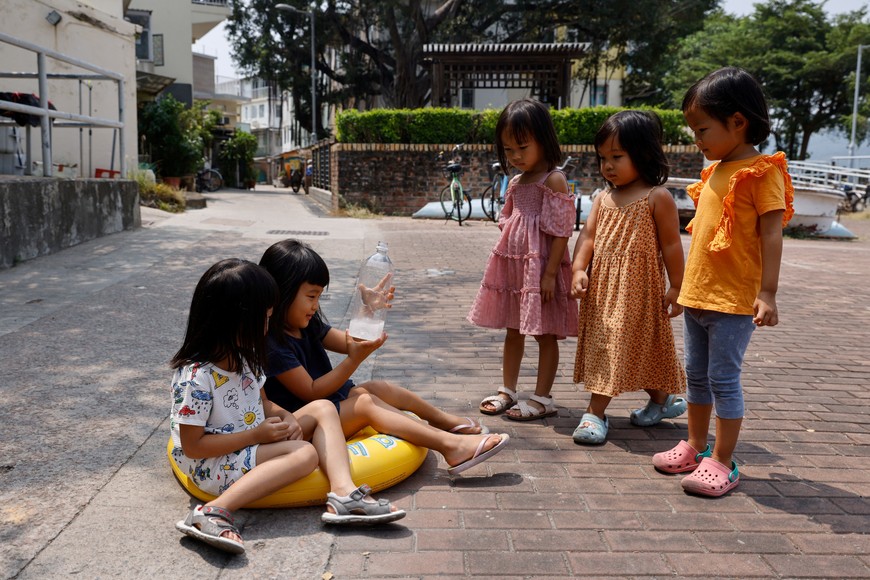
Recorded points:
(723, 270)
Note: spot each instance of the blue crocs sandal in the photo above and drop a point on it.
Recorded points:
(591, 430)
(653, 413)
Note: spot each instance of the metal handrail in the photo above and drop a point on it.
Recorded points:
(832, 176)
(45, 114)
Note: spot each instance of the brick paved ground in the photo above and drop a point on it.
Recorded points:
(85, 488)
(549, 508)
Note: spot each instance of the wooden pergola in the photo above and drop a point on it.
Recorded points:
(545, 68)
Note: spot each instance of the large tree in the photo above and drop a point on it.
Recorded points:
(370, 50)
(804, 59)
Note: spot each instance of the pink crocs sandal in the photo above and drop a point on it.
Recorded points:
(680, 459)
(711, 478)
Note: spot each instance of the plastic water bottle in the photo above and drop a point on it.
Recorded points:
(368, 307)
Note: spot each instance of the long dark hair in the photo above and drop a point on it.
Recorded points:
(228, 317)
(731, 90)
(292, 263)
(528, 119)
(640, 135)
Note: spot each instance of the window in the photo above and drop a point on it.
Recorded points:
(466, 98)
(262, 111)
(598, 95)
(143, 39)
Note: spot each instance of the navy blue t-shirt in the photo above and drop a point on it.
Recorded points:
(307, 352)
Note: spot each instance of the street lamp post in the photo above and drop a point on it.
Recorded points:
(310, 13)
(861, 47)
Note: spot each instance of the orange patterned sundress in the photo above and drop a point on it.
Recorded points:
(625, 341)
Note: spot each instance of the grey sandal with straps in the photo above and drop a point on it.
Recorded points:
(353, 509)
(498, 404)
(207, 524)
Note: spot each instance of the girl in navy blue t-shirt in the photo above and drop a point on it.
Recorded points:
(299, 369)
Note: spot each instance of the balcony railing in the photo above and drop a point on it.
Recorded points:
(49, 116)
(221, 3)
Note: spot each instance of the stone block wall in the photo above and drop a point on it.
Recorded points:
(39, 216)
(399, 179)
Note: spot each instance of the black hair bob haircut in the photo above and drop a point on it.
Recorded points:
(525, 120)
(731, 90)
(640, 135)
(292, 263)
(227, 317)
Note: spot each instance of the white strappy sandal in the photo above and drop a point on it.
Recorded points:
(530, 413)
(499, 403)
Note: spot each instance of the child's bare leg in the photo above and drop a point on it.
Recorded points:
(657, 397)
(366, 409)
(514, 348)
(320, 422)
(278, 464)
(598, 405)
(321, 425)
(727, 433)
(699, 425)
(548, 365)
(407, 400)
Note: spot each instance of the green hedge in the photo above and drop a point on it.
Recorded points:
(436, 125)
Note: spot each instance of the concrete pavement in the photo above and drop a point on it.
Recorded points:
(85, 488)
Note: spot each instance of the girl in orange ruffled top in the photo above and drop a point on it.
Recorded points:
(743, 201)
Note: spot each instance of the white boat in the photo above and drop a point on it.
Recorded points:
(676, 185)
(815, 205)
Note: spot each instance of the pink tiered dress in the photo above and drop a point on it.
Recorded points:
(510, 293)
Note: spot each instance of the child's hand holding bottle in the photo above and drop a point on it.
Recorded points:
(359, 350)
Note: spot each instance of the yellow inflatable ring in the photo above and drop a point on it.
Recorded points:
(376, 459)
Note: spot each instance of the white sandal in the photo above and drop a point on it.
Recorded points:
(530, 413)
(499, 403)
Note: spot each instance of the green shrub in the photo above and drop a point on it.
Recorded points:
(439, 125)
(159, 195)
(174, 146)
(484, 126)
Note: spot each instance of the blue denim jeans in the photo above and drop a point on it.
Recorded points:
(715, 344)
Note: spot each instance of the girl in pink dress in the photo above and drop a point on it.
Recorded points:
(527, 281)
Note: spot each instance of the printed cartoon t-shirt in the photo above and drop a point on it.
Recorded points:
(220, 401)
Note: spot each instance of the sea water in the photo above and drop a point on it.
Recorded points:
(366, 328)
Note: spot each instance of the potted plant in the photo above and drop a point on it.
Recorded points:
(175, 148)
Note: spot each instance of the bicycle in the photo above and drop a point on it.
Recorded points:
(455, 201)
(208, 180)
(492, 198)
(855, 202)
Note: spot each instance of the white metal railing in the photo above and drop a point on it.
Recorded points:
(211, 2)
(46, 115)
(824, 175)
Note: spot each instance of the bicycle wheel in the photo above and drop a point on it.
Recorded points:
(213, 180)
(457, 210)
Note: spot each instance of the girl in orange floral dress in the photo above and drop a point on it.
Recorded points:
(631, 239)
